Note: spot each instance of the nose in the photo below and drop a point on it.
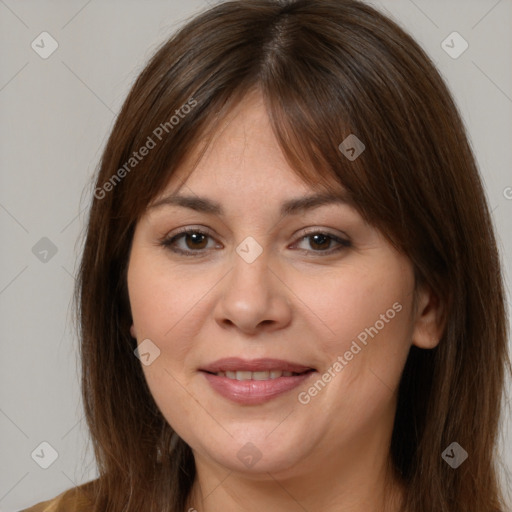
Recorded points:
(254, 297)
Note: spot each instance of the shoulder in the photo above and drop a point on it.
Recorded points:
(76, 499)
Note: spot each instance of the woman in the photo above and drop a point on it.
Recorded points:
(290, 293)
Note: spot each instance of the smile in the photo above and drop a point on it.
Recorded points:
(244, 375)
(254, 382)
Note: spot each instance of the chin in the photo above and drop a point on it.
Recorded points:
(259, 454)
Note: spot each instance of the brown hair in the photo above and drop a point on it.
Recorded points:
(327, 69)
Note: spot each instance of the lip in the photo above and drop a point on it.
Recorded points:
(254, 392)
(254, 365)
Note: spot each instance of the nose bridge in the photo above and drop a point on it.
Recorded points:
(251, 267)
(252, 295)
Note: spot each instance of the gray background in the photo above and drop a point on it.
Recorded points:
(56, 114)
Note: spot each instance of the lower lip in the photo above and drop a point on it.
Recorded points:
(254, 392)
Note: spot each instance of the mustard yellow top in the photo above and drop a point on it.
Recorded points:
(72, 500)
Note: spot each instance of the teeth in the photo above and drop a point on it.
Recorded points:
(260, 375)
(245, 375)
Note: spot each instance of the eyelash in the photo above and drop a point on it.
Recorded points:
(169, 241)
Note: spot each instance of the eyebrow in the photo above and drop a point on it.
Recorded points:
(289, 207)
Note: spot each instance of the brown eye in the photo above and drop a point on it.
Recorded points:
(195, 241)
(320, 242)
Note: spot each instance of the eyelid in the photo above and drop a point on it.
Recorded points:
(168, 240)
(206, 231)
(191, 228)
(324, 231)
(343, 241)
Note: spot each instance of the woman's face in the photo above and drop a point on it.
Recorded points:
(314, 291)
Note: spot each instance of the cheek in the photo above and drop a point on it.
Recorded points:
(368, 314)
(360, 304)
(158, 297)
(168, 305)
(161, 309)
(151, 302)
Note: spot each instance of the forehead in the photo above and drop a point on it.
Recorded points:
(243, 158)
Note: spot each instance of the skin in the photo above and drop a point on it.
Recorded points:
(291, 303)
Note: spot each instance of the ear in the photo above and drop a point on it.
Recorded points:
(132, 332)
(428, 325)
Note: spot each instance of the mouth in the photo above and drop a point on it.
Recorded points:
(268, 375)
(253, 382)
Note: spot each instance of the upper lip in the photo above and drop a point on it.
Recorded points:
(253, 365)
